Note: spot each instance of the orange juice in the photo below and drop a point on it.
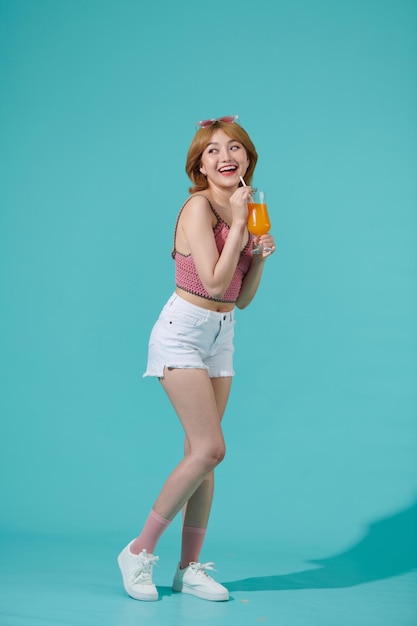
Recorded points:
(258, 219)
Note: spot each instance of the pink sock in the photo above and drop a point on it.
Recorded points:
(148, 538)
(192, 542)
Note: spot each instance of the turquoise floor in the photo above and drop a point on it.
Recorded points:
(371, 583)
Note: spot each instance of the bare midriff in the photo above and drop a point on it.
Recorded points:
(205, 303)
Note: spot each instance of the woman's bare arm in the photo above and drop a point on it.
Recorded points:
(215, 270)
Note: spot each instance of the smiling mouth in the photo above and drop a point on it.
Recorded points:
(228, 169)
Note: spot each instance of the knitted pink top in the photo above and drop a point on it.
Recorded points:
(186, 276)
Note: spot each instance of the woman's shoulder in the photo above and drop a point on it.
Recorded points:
(198, 200)
(198, 204)
(198, 214)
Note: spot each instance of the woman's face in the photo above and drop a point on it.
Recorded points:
(224, 160)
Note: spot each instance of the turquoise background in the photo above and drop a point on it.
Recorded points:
(97, 110)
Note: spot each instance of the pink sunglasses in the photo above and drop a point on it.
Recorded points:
(227, 119)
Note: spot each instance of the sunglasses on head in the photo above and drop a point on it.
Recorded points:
(227, 119)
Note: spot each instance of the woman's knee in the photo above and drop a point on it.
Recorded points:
(210, 456)
(218, 454)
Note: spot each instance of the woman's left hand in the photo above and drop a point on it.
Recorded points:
(268, 242)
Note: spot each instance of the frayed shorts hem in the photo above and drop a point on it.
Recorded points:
(161, 373)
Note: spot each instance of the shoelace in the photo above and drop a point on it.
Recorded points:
(145, 564)
(200, 568)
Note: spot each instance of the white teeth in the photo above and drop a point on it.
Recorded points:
(228, 168)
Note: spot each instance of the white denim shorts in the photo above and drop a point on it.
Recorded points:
(189, 336)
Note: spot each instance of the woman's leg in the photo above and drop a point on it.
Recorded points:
(197, 510)
(193, 397)
(196, 401)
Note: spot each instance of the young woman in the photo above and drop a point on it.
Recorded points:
(191, 347)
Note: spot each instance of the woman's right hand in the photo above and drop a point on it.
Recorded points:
(239, 204)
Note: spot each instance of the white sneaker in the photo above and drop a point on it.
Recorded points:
(137, 574)
(195, 580)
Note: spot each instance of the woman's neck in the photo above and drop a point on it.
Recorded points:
(221, 197)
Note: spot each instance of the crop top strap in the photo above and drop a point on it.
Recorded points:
(218, 218)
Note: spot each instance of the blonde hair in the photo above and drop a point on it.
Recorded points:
(200, 143)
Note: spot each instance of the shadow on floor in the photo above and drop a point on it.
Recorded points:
(388, 549)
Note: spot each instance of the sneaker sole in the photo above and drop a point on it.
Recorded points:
(136, 595)
(213, 597)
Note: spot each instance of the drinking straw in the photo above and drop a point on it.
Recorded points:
(245, 185)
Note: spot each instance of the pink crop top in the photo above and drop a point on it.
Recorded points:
(186, 276)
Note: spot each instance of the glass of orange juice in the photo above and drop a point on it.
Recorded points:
(258, 219)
